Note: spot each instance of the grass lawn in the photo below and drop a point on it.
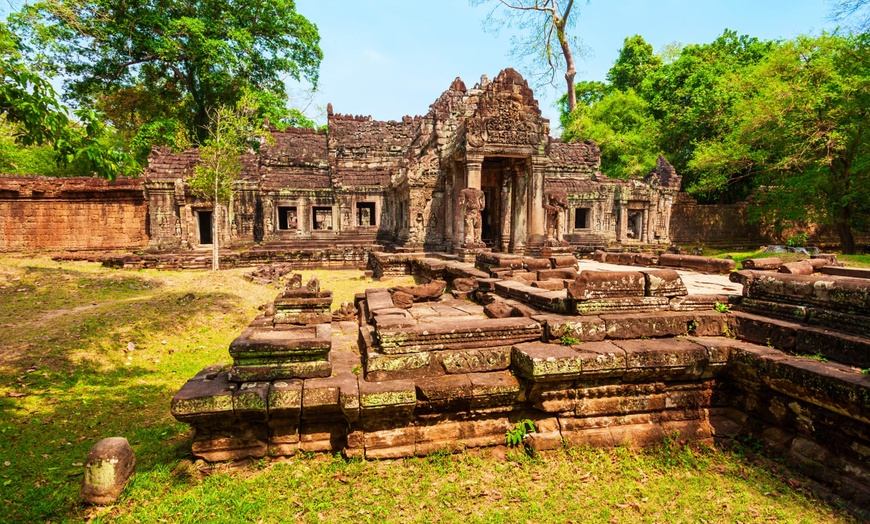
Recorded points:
(739, 256)
(88, 353)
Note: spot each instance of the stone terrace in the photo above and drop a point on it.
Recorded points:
(597, 358)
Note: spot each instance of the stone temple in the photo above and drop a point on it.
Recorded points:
(479, 170)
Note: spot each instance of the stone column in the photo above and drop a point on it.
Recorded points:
(449, 204)
(458, 216)
(537, 217)
(519, 216)
(506, 196)
(621, 222)
(473, 166)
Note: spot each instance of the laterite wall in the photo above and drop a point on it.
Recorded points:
(38, 213)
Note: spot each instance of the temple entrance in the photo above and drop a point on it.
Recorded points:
(204, 221)
(498, 178)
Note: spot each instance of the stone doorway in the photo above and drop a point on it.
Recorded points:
(205, 225)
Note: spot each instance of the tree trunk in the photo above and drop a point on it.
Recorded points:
(216, 231)
(847, 240)
(570, 70)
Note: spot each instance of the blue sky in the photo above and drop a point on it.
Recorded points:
(389, 58)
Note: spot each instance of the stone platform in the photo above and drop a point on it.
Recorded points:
(441, 373)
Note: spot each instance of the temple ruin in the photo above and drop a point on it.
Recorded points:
(478, 171)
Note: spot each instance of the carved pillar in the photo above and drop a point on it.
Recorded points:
(473, 166)
(450, 204)
(505, 216)
(537, 216)
(621, 222)
(519, 207)
(458, 216)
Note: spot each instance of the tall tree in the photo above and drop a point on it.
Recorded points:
(231, 132)
(623, 127)
(168, 61)
(544, 26)
(687, 95)
(636, 60)
(800, 126)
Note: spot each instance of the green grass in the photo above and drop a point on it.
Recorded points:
(68, 377)
(740, 256)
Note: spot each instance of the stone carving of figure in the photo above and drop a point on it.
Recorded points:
(472, 201)
(557, 203)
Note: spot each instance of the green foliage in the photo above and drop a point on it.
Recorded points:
(797, 240)
(568, 340)
(144, 62)
(798, 125)
(514, 437)
(231, 132)
(721, 308)
(623, 127)
(635, 62)
(819, 356)
(29, 105)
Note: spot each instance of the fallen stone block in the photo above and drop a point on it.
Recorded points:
(558, 328)
(534, 264)
(403, 300)
(564, 273)
(803, 267)
(108, 467)
(638, 325)
(663, 283)
(591, 285)
(563, 261)
(423, 292)
(698, 263)
(763, 264)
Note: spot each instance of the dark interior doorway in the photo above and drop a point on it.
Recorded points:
(204, 218)
(365, 214)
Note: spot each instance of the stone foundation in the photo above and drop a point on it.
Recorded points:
(442, 376)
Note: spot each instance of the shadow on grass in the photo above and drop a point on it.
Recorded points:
(71, 380)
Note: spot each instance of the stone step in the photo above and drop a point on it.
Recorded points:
(802, 339)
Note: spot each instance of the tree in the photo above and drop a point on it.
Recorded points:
(855, 12)
(167, 62)
(636, 60)
(231, 132)
(800, 126)
(623, 127)
(547, 42)
(28, 103)
(687, 95)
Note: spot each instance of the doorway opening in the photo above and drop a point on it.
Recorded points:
(204, 220)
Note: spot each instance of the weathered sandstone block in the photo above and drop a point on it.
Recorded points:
(109, 465)
(591, 285)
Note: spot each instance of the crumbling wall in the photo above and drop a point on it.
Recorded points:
(71, 214)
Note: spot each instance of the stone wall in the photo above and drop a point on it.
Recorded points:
(72, 214)
(729, 225)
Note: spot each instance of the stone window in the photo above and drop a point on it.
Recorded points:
(204, 222)
(322, 218)
(287, 217)
(365, 214)
(582, 217)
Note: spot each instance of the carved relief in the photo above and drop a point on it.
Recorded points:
(555, 206)
(472, 201)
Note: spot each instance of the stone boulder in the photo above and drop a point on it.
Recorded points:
(423, 292)
(110, 464)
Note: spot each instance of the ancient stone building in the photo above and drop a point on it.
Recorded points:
(479, 170)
